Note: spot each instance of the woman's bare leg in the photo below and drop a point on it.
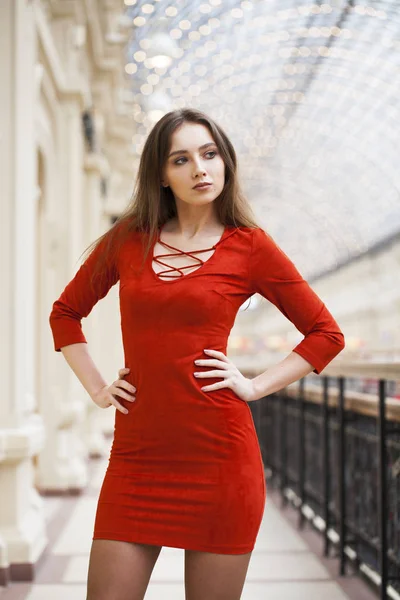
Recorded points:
(215, 576)
(120, 570)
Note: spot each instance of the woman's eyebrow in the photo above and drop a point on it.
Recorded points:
(184, 151)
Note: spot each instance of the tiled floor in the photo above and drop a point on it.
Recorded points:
(285, 564)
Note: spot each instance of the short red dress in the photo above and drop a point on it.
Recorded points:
(185, 468)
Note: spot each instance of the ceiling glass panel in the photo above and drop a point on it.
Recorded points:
(308, 93)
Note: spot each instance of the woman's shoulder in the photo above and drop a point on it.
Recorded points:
(249, 233)
(259, 234)
(255, 239)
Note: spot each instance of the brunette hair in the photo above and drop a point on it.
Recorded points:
(152, 204)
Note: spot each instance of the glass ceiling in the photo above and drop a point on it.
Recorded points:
(309, 95)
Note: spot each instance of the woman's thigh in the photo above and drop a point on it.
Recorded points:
(120, 570)
(215, 576)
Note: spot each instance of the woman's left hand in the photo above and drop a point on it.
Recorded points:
(232, 377)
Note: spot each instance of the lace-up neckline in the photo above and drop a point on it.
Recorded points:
(178, 252)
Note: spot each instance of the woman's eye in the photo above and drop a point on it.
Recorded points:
(184, 158)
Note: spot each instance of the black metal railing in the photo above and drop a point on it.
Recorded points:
(338, 463)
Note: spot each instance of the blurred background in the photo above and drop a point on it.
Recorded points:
(308, 94)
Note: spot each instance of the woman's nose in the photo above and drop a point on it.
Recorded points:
(199, 169)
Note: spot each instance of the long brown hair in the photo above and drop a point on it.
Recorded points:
(152, 204)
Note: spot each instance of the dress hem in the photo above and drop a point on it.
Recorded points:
(110, 535)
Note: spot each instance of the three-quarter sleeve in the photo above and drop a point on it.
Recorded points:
(274, 276)
(78, 299)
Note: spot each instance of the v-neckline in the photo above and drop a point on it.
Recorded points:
(179, 278)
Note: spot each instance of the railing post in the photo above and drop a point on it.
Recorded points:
(342, 477)
(382, 489)
(301, 452)
(325, 463)
(283, 448)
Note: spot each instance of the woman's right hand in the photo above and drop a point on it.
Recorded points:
(106, 396)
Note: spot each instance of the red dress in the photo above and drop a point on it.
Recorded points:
(185, 468)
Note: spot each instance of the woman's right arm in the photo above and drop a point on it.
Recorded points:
(80, 361)
(76, 302)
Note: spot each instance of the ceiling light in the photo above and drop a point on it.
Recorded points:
(171, 11)
(185, 24)
(175, 34)
(147, 9)
(160, 62)
(139, 21)
(139, 56)
(162, 51)
(130, 68)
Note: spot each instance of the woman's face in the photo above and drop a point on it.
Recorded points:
(194, 158)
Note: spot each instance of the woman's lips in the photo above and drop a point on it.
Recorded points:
(202, 187)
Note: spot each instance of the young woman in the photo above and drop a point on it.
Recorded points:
(185, 467)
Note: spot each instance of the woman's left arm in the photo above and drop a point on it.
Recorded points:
(277, 377)
(273, 275)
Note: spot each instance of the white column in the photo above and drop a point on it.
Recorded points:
(56, 463)
(67, 215)
(22, 524)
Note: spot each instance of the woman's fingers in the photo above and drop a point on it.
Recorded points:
(126, 385)
(118, 406)
(125, 395)
(123, 372)
(117, 389)
(121, 383)
(216, 373)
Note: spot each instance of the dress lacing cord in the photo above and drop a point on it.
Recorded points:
(180, 252)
